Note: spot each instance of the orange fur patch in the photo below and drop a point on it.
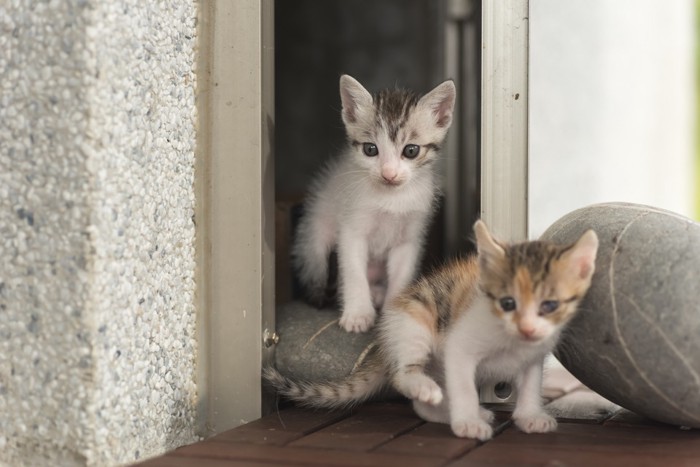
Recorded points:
(422, 313)
(525, 296)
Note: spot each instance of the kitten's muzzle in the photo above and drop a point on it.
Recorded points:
(528, 334)
(390, 175)
(391, 181)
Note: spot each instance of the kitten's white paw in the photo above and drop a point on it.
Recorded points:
(424, 389)
(357, 321)
(537, 423)
(472, 428)
(486, 415)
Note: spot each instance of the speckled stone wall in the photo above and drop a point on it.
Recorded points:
(97, 142)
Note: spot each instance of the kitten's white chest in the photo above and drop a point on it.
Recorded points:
(418, 197)
(384, 230)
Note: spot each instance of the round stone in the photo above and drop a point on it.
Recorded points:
(312, 346)
(636, 337)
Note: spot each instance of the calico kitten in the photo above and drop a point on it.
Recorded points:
(373, 203)
(493, 316)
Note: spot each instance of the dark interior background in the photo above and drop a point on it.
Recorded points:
(382, 43)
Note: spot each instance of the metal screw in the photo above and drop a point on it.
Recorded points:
(270, 338)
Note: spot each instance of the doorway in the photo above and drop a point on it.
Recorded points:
(414, 44)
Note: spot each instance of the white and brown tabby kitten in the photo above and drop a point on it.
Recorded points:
(493, 316)
(374, 202)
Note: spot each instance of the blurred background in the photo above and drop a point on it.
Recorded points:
(611, 110)
(612, 106)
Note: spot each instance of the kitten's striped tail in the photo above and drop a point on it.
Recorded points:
(367, 380)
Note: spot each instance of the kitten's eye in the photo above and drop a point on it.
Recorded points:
(507, 303)
(548, 306)
(370, 149)
(411, 151)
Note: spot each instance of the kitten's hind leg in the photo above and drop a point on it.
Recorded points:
(432, 413)
(441, 414)
(408, 342)
(418, 386)
(315, 238)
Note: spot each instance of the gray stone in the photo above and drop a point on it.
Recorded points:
(636, 338)
(313, 346)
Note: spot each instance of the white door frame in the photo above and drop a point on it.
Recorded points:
(235, 185)
(235, 208)
(504, 117)
(504, 129)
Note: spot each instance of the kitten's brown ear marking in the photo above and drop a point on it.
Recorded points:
(581, 256)
(489, 250)
(441, 102)
(354, 98)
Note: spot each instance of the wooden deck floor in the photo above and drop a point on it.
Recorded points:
(592, 432)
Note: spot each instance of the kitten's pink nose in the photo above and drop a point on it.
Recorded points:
(527, 332)
(390, 174)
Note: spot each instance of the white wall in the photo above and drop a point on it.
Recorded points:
(97, 319)
(611, 105)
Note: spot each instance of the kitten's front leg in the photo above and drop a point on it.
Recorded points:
(466, 417)
(529, 415)
(358, 312)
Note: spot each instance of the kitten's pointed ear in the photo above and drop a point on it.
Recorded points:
(441, 102)
(354, 97)
(580, 258)
(490, 252)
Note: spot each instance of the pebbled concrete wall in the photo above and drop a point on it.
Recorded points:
(97, 321)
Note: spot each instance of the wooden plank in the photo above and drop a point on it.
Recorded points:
(530, 456)
(585, 444)
(282, 427)
(372, 426)
(435, 439)
(604, 437)
(390, 434)
(179, 461)
(624, 417)
(430, 439)
(287, 455)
